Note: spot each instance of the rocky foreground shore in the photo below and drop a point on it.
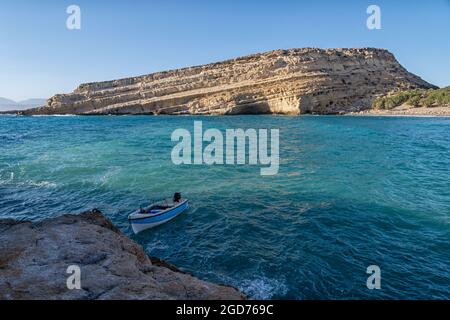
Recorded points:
(34, 258)
(293, 81)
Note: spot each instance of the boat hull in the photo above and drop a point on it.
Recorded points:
(151, 221)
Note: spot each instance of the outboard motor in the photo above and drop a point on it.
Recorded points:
(176, 197)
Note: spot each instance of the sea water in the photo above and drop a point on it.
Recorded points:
(350, 192)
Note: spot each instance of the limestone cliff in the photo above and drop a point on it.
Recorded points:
(34, 258)
(294, 81)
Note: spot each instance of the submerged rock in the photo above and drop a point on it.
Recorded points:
(294, 81)
(34, 258)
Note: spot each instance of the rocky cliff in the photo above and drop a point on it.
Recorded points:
(294, 81)
(34, 258)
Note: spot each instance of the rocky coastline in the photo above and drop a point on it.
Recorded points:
(292, 82)
(35, 257)
(408, 110)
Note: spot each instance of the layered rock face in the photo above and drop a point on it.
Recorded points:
(34, 258)
(295, 81)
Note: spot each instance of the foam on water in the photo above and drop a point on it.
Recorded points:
(263, 288)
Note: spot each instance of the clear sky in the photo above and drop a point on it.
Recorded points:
(40, 57)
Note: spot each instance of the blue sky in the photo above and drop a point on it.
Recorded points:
(40, 57)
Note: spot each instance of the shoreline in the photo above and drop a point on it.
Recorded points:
(403, 110)
(397, 115)
(408, 110)
(349, 114)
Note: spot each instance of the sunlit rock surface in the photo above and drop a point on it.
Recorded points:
(294, 81)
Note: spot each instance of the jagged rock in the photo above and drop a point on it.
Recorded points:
(34, 258)
(293, 81)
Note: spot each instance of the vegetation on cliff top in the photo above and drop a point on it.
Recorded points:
(416, 98)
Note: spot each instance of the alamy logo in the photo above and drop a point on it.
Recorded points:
(74, 280)
(73, 21)
(235, 147)
(374, 20)
(374, 280)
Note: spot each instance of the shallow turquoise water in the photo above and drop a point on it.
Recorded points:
(351, 192)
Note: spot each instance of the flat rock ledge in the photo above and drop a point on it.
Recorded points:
(34, 258)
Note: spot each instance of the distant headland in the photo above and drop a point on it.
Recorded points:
(293, 81)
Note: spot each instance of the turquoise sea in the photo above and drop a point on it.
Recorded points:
(350, 192)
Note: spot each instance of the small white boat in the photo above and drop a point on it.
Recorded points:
(158, 213)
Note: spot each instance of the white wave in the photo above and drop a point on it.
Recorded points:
(263, 288)
(158, 245)
(107, 177)
(8, 179)
(30, 183)
(41, 184)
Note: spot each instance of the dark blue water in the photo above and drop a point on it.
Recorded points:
(351, 192)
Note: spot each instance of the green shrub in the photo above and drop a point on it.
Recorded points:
(416, 98)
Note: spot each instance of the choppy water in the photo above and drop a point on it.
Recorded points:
(351, 192)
